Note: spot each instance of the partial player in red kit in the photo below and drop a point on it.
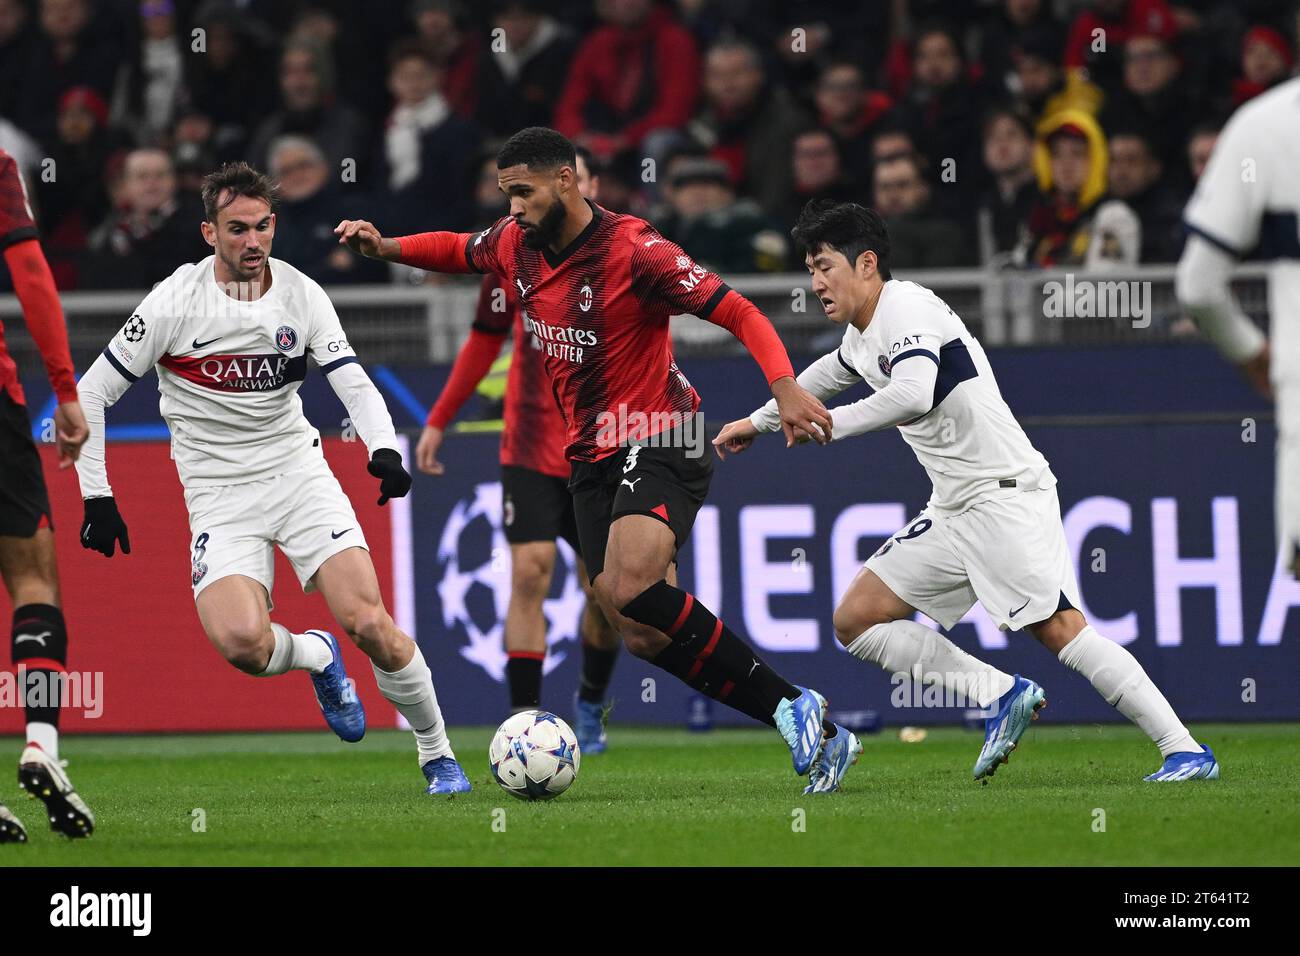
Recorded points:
(538, 508)
(598, 289)
(40, 639)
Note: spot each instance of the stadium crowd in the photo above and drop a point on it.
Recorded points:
(987, 132)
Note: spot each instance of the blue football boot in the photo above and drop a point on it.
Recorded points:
(1186, 766)
(337, 697)
(800, 723)
(1002, 732)
(589, 726)
(445, 776)
(838, 754)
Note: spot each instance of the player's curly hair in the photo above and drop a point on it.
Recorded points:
(537, 147)
(844, 227)
(234, 180)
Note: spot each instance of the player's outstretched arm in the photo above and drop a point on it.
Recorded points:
(432, 251)
(823, 379)
(102, 527)
(369, 415)
(1202, 286)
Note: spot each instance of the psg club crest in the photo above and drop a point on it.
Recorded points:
(884, 365)
(285, 338)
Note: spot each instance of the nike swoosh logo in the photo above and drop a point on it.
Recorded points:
(1021, 608)
(338, 534)
(198, 345)
(33, 637)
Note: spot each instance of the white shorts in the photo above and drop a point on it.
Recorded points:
(1008, 552)
(233, 527)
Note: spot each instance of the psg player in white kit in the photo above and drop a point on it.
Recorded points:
(230, 337)
(991, 531)
(1248, 202)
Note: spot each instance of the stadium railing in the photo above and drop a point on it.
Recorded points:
(1003, 307)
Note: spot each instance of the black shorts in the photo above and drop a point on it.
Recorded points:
(537, 507)
(24, 499)
(664, 483)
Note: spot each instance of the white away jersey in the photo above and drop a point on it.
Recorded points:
(962, 431)
(1248, 201)
(229, 371)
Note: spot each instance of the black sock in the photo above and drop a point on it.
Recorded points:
(597, 667)
(710, 682)
(689, 623)
(40, 647)
(524, 675)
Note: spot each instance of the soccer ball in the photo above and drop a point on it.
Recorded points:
(534, 756)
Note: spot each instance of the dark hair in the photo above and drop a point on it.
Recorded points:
(537, 147)
(1012, 111)
(844, 227)
(412, 48)
(588, 158)
(237, 179)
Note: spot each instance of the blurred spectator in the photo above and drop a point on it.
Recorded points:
(942, 111)
(1152, 99)
(309, 108)
(17, 46)
(490, 203)
(73, 198)
(428, 151)
(1200, 144)
(1015, 25)
(311, 205)
(442, 27)
(519, 85)
(151, 234)
(154, 80)
(634, 81)
(1005, 204)
(1137, 176)
(229, 82)
(192, 151)
(891, 142)
(1072, 222)
(70, 51)
(1105, 27)
(818, 174)
(747, 123)
(722, 233)
(1266, 59)
(919, 239)
(851, 111)
(1040, 82)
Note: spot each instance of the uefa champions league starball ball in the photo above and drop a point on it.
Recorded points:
(534, 756)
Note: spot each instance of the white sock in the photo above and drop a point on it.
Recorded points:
(410, 690)
(296, 652)
(925, 655)
(1118, 677)
(45, 736)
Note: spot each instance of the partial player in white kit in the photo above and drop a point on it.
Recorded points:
(230, 337)
(1248, 201)
(991, 531)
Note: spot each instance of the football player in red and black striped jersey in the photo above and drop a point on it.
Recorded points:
(598, 289)
(27, 564)
(537, 506)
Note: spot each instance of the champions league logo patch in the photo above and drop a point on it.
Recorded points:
(285, 338)
(884, 364)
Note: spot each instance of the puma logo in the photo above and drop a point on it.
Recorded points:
(631, 483)
(33, 637)
(523, 289)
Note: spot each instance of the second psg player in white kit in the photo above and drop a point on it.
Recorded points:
(230, 337)
(991, 531)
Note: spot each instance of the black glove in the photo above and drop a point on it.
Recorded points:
(103, 527)
(394, 480)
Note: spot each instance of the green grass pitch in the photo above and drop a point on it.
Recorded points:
(672, 797)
